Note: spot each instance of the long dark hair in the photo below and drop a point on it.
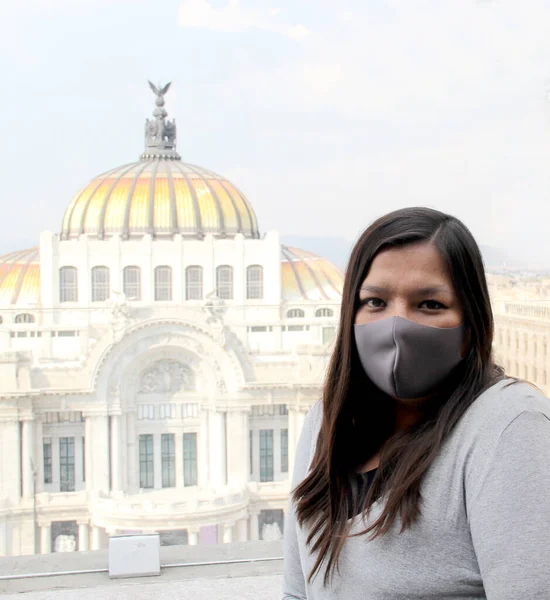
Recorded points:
(358, 419)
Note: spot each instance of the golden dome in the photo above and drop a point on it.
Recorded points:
(159, 195)
(162, 197)
(307, 276)
(20, 278)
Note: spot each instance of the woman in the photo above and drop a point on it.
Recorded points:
(424, 472)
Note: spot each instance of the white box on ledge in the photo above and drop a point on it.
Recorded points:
(134, 555)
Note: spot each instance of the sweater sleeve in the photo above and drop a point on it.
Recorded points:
(294, 585)
(510, 514)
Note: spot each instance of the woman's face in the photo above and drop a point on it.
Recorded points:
(410, 282)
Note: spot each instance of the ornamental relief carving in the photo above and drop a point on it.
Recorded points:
(166, 377)
(198, 353)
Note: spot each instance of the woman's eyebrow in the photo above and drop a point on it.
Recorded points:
(436, 289)
(425, 291)
(372, 288)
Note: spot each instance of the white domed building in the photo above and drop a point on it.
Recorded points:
(157, 358)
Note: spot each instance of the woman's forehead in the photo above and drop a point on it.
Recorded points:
(419, 264)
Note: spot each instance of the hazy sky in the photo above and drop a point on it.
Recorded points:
(326, 113)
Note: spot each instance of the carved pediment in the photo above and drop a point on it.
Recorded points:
(166, 377)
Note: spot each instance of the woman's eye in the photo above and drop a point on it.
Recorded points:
(373, 302)
(431, 305)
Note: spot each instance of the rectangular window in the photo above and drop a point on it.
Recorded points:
(190, 410)
(193, 283)
(254, 282)
(146, 411)
(284, 450)
(66, 464)
(167, 411)
(328, 334)
(189, 459)
(47, 461)
(224, 282)
(168, 459)
(100, 284)
(266, 455)
(68, 284)
(132, 282)
(146, 467)
(251, 450)
(163, 283)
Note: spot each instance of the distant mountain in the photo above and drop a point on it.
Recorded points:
(498, 259)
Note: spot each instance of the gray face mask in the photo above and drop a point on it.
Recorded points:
(406, 359)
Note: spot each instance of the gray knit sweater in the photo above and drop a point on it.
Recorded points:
(484, 532)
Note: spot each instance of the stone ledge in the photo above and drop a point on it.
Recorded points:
(43, 564)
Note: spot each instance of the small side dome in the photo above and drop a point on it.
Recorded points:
(307, 276)
(20, 278)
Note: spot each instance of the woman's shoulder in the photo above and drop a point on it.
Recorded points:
(312, 423)
(315, 414)
(498, 406)
(509, 415)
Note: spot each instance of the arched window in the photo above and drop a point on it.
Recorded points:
(131, 282)
(24, 318)
(163, 283)
(295, 313)
(68, 284)
(224, 282)
(324, 312)
(193, 283)
(100, 284)
(254, 282)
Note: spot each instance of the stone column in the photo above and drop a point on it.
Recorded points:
(254, 525)
(3, 538)
(116, 451)
(88, 452)
(192, 537)
(45, 539)
(10, 457)
(83, 536)
(237, 448)
(96, 538)
(227, 533)
(242, 530)
(131, 451)
(38, 460)
(178, 449)
(27, 459)
(217, 458)
(97, 452)
(203, 466)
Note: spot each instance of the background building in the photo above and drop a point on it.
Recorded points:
(158, 357)
(522, 327)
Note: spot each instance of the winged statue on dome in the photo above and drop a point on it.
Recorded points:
(160, 134)
(160, 91)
